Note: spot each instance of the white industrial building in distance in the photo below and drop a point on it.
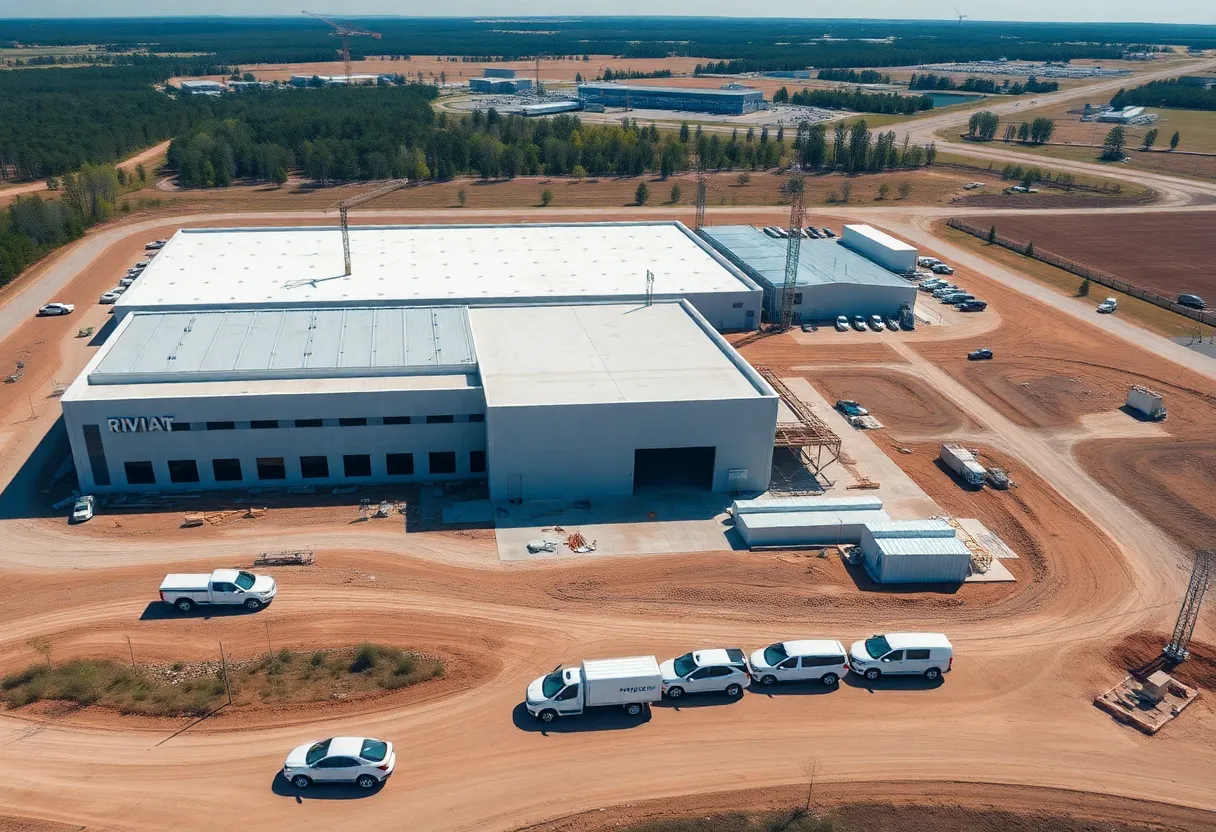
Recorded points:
(543, 401)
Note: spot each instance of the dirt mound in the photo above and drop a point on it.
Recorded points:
(1169, 481)
(903, 403)
(1141, 650)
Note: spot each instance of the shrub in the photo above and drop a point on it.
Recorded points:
(546, 196)
(317, 659)
(366, 656)
(642, 194)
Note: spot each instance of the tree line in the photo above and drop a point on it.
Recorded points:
(854, 148)
(1172, 92)
(611, 74)
(931, 81)
(982, 126)
(856, 100)
(854, 76)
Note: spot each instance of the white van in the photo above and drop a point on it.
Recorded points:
(801, 660)
(927, 654)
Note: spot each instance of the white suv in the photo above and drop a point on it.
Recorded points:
(821, 660)
(926, 654)
(719, 670)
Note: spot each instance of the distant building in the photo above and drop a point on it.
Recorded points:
(500, 86)
(498, 72)
(692, 99)
(550, 108)
(249, 86)
(793, 74)
(201, 87)
(333, 80)
(1125, 116)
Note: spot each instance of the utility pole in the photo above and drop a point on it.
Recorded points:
(793, 247)
(224, 665)
(1188, 614)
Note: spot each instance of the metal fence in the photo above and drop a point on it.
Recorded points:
(1203, 316)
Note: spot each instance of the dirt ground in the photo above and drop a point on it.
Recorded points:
(1169, 253)
(904, 404)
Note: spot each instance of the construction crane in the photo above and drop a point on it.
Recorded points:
(702, 193)
(346, 33)
(345, 205)
(792, 248)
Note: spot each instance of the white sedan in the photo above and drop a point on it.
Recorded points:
(109, 297)
(364, 761)
(52, 309)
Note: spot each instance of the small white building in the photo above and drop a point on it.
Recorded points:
(914, 551)
(880, 247)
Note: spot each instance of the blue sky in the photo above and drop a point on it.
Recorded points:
(1167, 11)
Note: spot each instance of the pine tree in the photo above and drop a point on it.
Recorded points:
(992, 235)
(642, 194)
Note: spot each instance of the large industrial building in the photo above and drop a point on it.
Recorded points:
(834, 277)
(530, 356)
(697, 100)
(501, 86)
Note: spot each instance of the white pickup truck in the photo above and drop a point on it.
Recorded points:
(222, 588)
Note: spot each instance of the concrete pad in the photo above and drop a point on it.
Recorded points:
(985, 539)
(902, 498)
(642, 524)
(997, 573)
(470, 511)
(1116, 424)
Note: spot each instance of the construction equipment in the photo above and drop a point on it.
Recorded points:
(346, 33)
(1184, 627)
(792, 248)
(346, 204)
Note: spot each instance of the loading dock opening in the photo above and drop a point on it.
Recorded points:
(683, 469)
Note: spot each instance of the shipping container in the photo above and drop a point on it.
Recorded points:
(902, 560)
(1146, 402)
(962, 462)
(880, 247)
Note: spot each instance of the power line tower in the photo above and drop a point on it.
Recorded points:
(346, 204)
(702, 193)
(346, 33)
(1184, 627)
(792, 249)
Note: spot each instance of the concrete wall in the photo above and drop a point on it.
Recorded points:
(825, 302)
(290, 443)
(549, 451)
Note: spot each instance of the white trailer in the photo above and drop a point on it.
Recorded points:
(962, 462)
(1148, 403)
(629, 683)
(880, 247)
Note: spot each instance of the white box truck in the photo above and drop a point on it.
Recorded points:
(630, 683)
(1148, 403)
(962, 462)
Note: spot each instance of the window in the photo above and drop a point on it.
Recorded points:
(443, 462)
(737, 305)
(917, 655)
(221, 425)
(183, 470)
(477, 462)
(357, 422)
(797, 298)
(220, 586)
(477, 417)
(894, 656)
(337, 762)
(140, 473)
(271, 468)
(717, 672)
(789, 664)
(396, 420)
(399, 465)
(97, 455)
(264, 424)
(178, 427)
(569, 693)
(440, 420)
(821, 661)
(357, 465)
(314, 467)
(228, 470)
(308, 423)
(703, 673)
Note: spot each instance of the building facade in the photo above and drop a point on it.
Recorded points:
(728, 102)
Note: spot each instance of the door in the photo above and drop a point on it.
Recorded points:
(718, 680)
(336, 769)
(223, 592)
(917, 661)
(788, 671)
(699, 680)
(893, 662)
(569, 701)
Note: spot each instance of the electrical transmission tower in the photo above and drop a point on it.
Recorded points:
(792, 248)
(702, 193)
(1184, 627)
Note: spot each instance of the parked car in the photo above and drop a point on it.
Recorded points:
(859, 323)
(979, 355)
(119, 289)
(1193, 301)
(930, 284)
(109, 297)
(1108, 306)
(842, 323)
(155, 244)
(82, 510)
(876, 323)
(893, 324)
(851, 408)
(926, 654)
(718, 670)
(822, 660)
(222, 588)
(768, 229)
(829, 232)
(126, 281)
(629, 683)
(972, 306)
(957, 298)
(927, 262)
(942, 268)
(52, 309)
(364, 761)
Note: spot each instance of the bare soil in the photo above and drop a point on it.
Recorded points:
(904, 404)
(1136, 651)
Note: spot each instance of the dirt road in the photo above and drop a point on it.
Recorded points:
(144, 156)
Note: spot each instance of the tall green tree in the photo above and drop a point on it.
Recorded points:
(1112, 145)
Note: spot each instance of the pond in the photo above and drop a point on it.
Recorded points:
(946, 99)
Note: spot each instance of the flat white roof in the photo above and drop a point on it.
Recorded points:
(596, 353)
(869, 231)
(203, 268)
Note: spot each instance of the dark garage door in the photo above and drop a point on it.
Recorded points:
(673, 469)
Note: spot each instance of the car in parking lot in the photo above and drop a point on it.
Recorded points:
(126, 281)
(979, 355)
(842, 323)
(972, 306)
(82, 509)
(957, 297)
(942, 268)
(876, 323)
(829, 232)
(53, 309)
(934, 285)
(851, 408)
(364, 761)
(1193, 301)
(927, 262)
(947, 289)
(802, 660)
(716, 670)
(109, 297)
(893, 324)
(155, 245)
(859, 323)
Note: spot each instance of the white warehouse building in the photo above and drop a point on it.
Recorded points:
(544, 401)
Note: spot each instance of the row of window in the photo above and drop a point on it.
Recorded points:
(311, 467)
(354, 422)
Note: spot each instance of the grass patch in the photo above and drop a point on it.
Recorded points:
(180, 689)
(1147, 315)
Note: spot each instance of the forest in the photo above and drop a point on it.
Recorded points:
(854, 76)
(1172, 92)
(930, 81)
(856, 100)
